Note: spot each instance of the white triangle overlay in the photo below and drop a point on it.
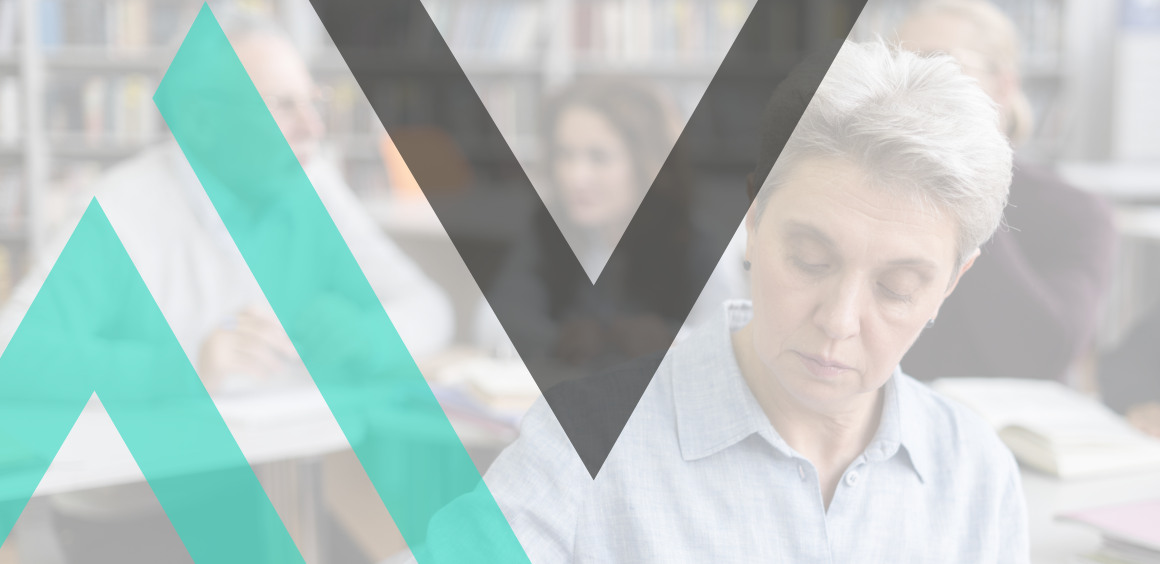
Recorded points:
(267, 427)
(93, 455)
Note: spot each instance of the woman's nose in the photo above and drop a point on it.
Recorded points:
(840, 313)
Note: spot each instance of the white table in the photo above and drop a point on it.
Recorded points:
(296, 425)
(271, 428)
(1053, 542)
(282, 434)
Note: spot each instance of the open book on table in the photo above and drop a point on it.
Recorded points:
(1055, 429)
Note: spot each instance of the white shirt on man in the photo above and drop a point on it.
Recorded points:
(196, 274)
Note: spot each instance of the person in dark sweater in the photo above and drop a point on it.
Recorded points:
(1031, 304)
(1130, 375)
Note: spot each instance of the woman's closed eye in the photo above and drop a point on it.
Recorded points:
(810, 265)
(895, 295)
(900, 286)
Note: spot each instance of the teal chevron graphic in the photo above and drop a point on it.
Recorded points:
(94, 327)
(334, 319)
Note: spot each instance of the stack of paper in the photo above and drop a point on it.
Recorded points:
(1055, 429)
(1131, 532)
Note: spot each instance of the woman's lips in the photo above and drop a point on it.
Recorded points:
(821, 367)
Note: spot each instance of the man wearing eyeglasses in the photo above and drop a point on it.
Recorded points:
(189, 261)
(210, 299)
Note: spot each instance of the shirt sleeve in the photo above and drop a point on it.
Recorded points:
(419, 309)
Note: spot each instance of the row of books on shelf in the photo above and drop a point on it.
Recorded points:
(629, 30)
(513, 108)
(10, 111)
(11, 198)
(346, 111)
(1039, 23)
(104, 108)
(506, 29)
(647, 30)
(513, 104)
(115, 24)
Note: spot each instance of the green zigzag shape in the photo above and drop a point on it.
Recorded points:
(94, 327)
(411, 453)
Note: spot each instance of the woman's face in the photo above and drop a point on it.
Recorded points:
(593, 169)
(844, 278)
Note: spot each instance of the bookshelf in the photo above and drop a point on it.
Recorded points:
(516, 53)
(1043, 69)
(76, 85)
(76, 78)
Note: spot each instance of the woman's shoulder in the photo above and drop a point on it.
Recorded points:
(950, 436)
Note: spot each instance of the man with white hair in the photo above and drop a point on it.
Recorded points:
(211, 301)
(190, 264)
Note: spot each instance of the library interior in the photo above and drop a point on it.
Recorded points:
(1054, 343)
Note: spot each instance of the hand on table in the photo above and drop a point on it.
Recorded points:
(1146, 417)
(252, 344)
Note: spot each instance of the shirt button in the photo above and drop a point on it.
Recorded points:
(852, 479)
(802, 472)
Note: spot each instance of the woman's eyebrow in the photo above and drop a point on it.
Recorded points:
(798, 229)
(914, 262)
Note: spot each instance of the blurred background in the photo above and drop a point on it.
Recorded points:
(78, 76)
(76, 85)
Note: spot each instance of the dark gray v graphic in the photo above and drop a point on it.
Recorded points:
(592, 348)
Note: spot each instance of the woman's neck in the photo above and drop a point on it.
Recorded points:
(830, 437)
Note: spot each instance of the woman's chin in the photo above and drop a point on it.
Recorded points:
(817, 392)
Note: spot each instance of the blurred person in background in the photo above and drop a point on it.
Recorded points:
(210, 299)
(607, 140)
(1130, 375)
(1031, 305)
(187, 258)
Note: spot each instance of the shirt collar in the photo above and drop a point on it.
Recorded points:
(715, 408)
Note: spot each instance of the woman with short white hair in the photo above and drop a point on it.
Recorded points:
(784, 431)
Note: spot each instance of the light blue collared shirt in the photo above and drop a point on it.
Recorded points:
(700, 475)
